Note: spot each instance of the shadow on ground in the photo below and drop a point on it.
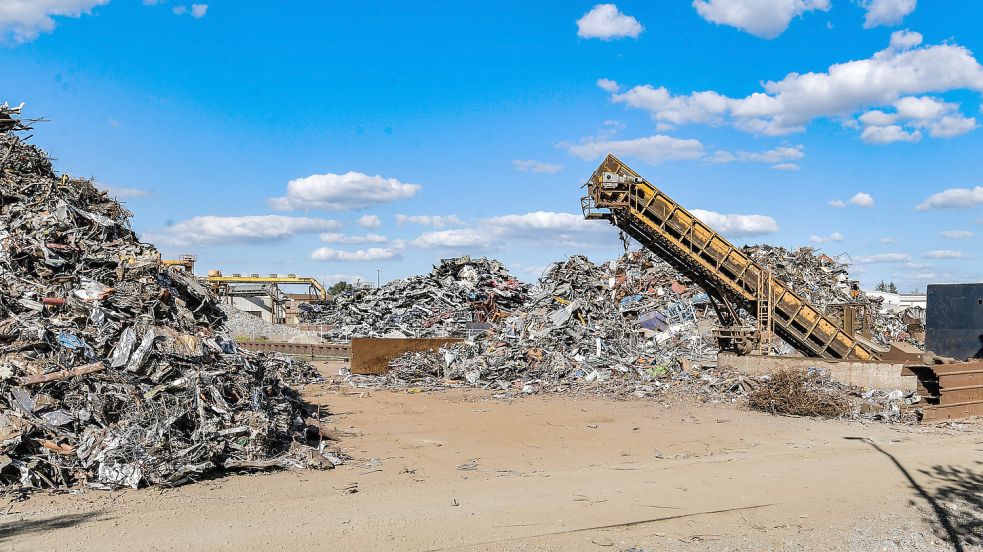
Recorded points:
(955, 497)
(959, 493)
(13, 529)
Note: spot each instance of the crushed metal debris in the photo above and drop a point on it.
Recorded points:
(114, 370)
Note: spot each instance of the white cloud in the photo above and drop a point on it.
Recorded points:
(862, 199)
(434, 221)
(25, 20)
(761, 18)
(886, 12)
(738, 225)
(904, 69)
(460, 238)
(883, 258)
(889, 134)
(834, 237)
(953, 198)
(536, 166)
(335, 237)
(946, 254)
(941, 119)
(785, 167)
(890, 241)
(180, 10)
(604, 21)
(836, 203)
(199, 10)
(536, 229)
(339, 192)
(369, 221)
(608, 85)
(957, 234)
(370, 254)
(216, 230)
(653, 149)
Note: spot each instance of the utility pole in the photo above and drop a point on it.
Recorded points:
(378, 278)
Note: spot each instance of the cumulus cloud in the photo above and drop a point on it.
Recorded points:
(957, 234)
(738, 226)
(953, 198)
(199, 10)
(608, 85)
(370, 254)
(862, 199)
(886, 12)
(434, 221)
(25, 20)
(179, 10)
(219, 230)
(336, 237)
(785, 167)
(941, 119)
(897, 76)
(946, 254)
(606, 22)
(536, 166)
(834, 237)
(889, 134)
(339, 192)
(535, 229)
(459, 238)
(761, 18)
(652, 149)
(369, 221)
(883, 258)
(836, 203)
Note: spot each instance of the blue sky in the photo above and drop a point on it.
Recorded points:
(338, 138)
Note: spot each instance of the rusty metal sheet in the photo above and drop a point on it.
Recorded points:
(370, 355)
(951, 391)
(300, 349)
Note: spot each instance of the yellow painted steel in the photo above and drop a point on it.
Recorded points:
(695, 243)
(312, 282)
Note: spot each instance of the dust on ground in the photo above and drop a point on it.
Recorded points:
(459, 470)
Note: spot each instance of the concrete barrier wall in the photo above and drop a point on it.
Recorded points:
(870, 375)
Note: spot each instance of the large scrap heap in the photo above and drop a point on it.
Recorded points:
(115, 370)
(733, 280)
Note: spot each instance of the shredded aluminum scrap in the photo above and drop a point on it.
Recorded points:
(114, 370)
(442, 303)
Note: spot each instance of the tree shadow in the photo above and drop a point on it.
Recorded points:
(19, 528)
(956, 500)
(959, 491)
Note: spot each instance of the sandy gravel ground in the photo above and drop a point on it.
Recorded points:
(463, 471)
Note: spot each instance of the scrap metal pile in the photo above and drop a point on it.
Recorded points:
(825, 281)
(115, 371)
(583, 322)
(442, 303)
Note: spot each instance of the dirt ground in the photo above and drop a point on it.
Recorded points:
(461, 470)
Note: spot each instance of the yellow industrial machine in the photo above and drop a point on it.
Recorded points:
(185, 263)
(731, 279)
(219, 281)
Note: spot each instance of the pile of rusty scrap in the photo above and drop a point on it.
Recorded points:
(454, 295)
(115, 371)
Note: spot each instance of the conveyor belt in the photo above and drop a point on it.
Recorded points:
(731, 278)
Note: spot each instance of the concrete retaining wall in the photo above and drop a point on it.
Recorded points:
(870, 375)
